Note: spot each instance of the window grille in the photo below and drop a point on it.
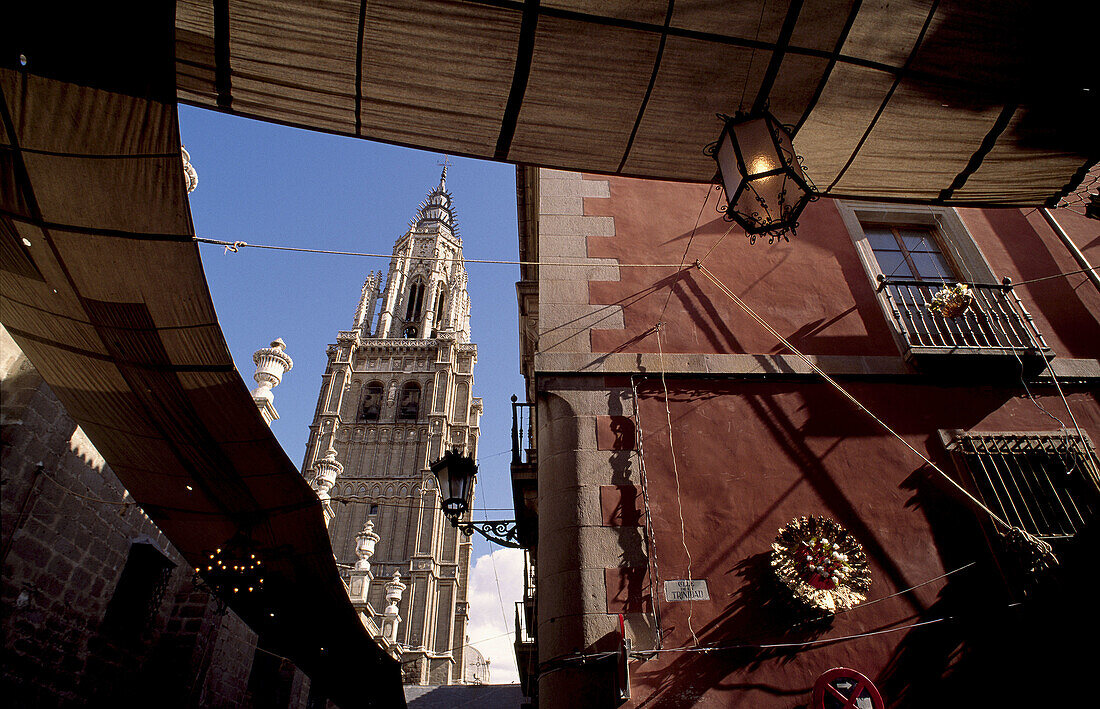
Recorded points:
(1044, 483)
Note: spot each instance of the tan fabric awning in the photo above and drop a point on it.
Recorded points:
(104, 291)
(968, 102)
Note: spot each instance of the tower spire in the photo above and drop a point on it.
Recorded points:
(443, 177)
(377, 414)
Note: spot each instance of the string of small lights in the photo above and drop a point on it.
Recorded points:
(234, 568)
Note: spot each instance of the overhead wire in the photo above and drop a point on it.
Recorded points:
(1056, 275)
(683, 259)
(578, 658)
(235, 246)
(644, 654)
(910, 589)
(675, 476)
(346, 499)
(74, 493)
(496, 576)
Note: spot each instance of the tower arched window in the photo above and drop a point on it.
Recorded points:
(408, 408)
(371, 408)
(440, 299)
(415, 301)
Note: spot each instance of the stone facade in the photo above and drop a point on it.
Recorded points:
(396, 393)
(98, 607)
(676, 435)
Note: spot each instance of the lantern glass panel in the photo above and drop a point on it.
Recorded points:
(460, 481)
(766, 200)
(757, 146)
(786, 149)
(455, 474)
(727, 164)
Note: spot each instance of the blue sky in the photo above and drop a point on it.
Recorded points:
(267, 184)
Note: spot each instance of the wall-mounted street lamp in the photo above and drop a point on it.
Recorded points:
(766, 188)
(455, 473)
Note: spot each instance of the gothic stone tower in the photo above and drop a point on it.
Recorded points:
(397, 393)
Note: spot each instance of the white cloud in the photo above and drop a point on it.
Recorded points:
(492, 615)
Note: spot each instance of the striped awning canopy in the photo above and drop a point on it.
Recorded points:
(103, 289)
(967, 102)
(970, 102)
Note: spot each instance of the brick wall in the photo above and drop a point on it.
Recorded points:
(67, 532)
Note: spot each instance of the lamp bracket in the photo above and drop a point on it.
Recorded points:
(504, 532)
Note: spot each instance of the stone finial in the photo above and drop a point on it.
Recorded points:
(328, 469)
(364, 545)
(189, 173)
(390, 617)
(364, 313)
(394, 589)
(361, 577)
(271, 364)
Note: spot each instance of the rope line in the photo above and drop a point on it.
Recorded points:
(712, 248)
(676, 476)
(804, 643)
(1056, 275)
(236, 246)
(581, 658)
(683, 259)
(352, 499)
(74, 493)
(902, 592)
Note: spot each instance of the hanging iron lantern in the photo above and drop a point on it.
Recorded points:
(766, 188)
(455, 473)
(235, 568)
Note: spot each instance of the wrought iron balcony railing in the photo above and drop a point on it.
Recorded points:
(528, 575)
(526, 655)
(523, 432)
(524, 471)
(523, 636)
(996, 322)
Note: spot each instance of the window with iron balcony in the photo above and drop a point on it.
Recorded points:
(918, 260)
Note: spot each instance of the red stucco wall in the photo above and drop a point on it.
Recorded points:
(751, 456)
(744, 456)
(814, 290)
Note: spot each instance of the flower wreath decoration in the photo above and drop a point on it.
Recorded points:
(821, 563)
(952, 301)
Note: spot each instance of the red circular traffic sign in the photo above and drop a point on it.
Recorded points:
(843, 688)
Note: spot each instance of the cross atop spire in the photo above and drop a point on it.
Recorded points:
(445, 162)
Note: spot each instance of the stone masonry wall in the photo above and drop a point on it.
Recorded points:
(68, 527)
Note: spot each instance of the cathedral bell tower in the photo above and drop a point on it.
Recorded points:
(396, 393)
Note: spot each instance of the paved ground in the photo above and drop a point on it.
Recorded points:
(483, 696)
